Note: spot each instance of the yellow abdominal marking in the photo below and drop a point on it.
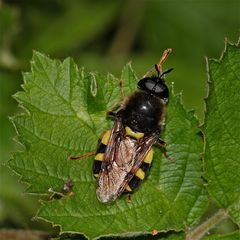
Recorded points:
(131, 133)
(140, 173)
(149, 157)
(99, 157)
(106, 137)
(128, 188)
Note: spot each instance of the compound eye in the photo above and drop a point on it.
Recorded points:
(146, 84)
(159, 89)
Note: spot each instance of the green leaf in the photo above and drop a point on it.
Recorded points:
(222, 133)
(65, 115)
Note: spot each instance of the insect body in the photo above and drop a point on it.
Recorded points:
(125, 153)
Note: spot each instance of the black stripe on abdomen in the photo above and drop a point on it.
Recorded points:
(97, 164)
(145, 167)
(101, 147)
(136, 181)
(97, 167)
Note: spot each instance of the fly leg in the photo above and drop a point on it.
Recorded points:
(129, 198)
(82, 156)
(163, 146)
(161, 143)
(122, 90)
(111, 113)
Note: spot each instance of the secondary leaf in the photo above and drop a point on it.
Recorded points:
(222, 131)
(65, 114)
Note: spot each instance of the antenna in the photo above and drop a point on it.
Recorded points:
(165, 72)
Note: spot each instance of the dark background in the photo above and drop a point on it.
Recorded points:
(103, 36)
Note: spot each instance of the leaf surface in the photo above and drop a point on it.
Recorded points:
(65, 114)
(222, 132)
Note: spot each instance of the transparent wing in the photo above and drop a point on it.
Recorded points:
(122, 159)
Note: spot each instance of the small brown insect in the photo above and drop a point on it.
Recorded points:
(66, 190)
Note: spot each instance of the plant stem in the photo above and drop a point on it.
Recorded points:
(201, 230)
(127, 29)
(23, 234)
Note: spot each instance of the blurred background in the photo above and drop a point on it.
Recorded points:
(103, 36)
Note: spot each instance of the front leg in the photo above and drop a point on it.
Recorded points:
(111, 114)
(161, 143)
(117, 107)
